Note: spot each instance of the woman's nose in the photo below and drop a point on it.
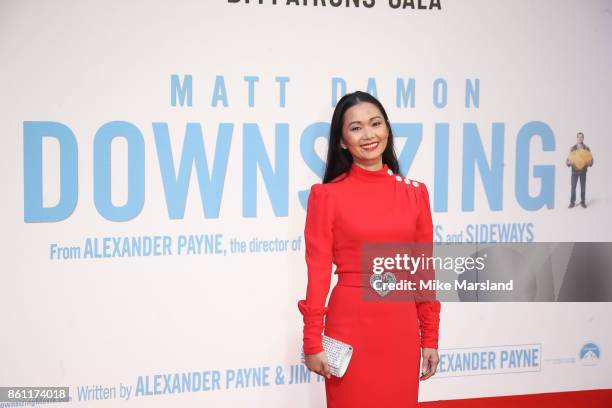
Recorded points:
(370, 132)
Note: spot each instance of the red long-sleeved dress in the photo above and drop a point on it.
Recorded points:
(366, 206)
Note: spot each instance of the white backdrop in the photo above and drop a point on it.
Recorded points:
(114, 321)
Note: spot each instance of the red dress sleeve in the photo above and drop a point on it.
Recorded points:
(428, 312)
(318, 235)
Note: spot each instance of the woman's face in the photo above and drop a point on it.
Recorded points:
(364, 133)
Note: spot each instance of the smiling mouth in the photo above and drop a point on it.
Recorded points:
(369, 146)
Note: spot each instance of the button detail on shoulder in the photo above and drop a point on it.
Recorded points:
(406, 181)
(398, 178)
(390, 172)
(415, 183)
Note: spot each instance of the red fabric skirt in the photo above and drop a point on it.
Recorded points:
(384, 368)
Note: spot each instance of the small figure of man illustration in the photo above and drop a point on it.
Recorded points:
(580, 159)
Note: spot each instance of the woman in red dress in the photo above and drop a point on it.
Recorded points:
(363, 198)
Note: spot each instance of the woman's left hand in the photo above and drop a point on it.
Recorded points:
(430, 363)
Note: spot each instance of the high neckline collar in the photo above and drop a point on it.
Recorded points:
(370, 175)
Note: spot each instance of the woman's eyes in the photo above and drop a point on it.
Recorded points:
(356, 128)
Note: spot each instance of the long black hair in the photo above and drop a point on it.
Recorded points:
(339, 160)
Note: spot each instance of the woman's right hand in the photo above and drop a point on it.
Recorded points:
(318, 364)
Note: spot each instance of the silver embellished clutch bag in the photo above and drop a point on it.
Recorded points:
(338, 355)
